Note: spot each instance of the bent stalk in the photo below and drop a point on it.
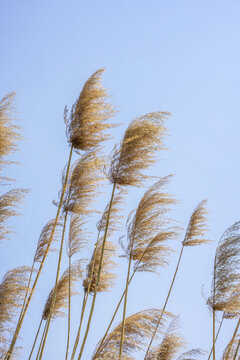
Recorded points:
(35, 340)
(219, 328)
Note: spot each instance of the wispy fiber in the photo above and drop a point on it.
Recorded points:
(197, 226)
(107, 277)
(170, 345)
(138, 328)
(193, 354)
(78, 237)
(9, 203)
(9, 131)
(87, 122)
(12, 291)
(61, 298)
(137, 151)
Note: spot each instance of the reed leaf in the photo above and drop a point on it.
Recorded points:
(87, 121)
(138, 328)
(137, 151)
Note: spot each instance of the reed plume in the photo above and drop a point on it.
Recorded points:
(231, 350)
(9, 131)
(194, 235)
(106, 281)
(9, 203)
(226, 276)
(77, 238)
(138, 328)
(137, 151)
(12, 291)
(87, 121)
(61, 298)
(193, 354)
(170, 345)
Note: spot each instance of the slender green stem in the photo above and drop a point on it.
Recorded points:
(219, 328)
(55, 287)
(165, 304)
(120, 301)
(35, 340)
(99, 273)
(19, 324)
(85, 298)
(125, 303)
(41, 342)
(69, 304)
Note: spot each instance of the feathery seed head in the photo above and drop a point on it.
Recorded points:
(142, 139)
(196, 230)
(87, 122)
(78, 238)
(106, 277)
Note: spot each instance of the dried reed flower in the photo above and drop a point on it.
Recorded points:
(84, 181)
(193, 354)
(44, 238)
(138, 328)
(226, 272)
(9, 132)
(87, 122)
(115, 215)
(143, 137)
(231, 349)
(61, 299)
(77, 238)
(170, 344)
(150, 228)
(106, 278)
(8, 207)
(12, 291)
(197, 226)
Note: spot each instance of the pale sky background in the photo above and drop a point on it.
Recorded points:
(177, 56)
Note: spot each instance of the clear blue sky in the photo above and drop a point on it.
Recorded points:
(178, 56)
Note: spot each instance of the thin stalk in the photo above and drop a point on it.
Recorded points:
(85, 298)
(166, 301)
(119, 303)
(28, 287)
(19, 324)
(69, 304)
(125, 303)
(219, 328)
(99, 273)
(55, 287)
(40, 345)
(35, 340)
(236, 352)
(233, 337)
(214, 280)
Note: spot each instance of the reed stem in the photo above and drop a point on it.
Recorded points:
(165, 304)
(236, 352)
(214, 280)
(69, 304)
(40, 345)
(232, 340)
(19, 324)
(35, 340)
(55, 287)
(219, 328)
(85, 301)
(99, 273)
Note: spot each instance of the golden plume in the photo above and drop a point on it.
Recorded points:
(169, 346)
(61, 298)
(143, 137)
(195, 233)
(106, 277)
(150, 228)
(115, 215)
(44, 238)
(226, 286)
(77, 238)
(12, 291)
(138, 328)
(231, 350)
(87, 122)
(84, 179)
(9, 132)
(8, 207)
